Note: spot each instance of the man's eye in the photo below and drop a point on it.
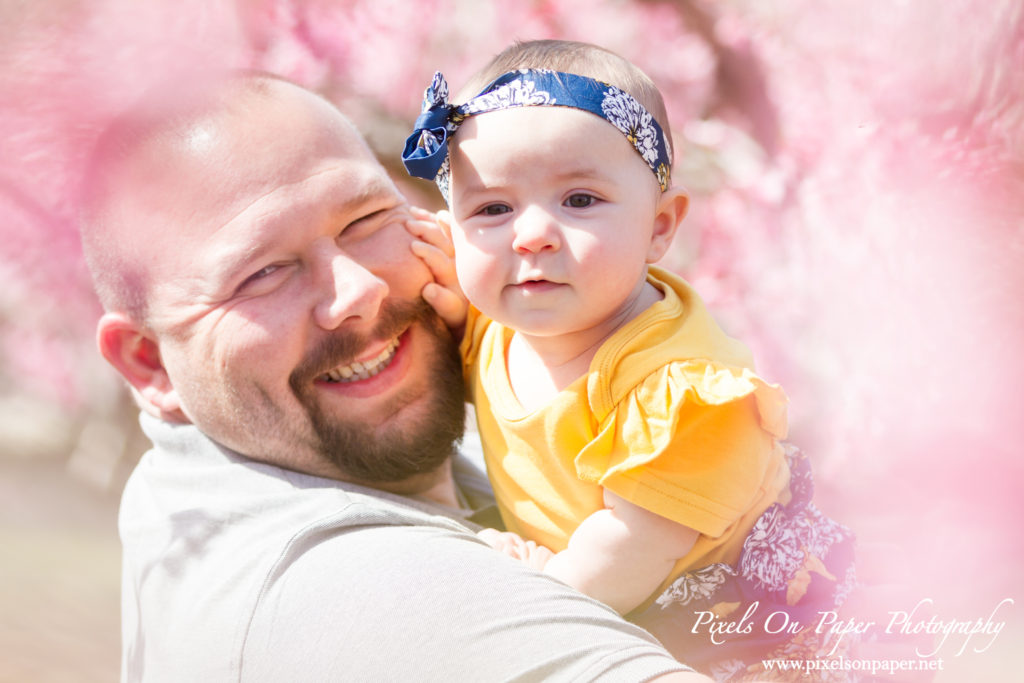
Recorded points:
(580, 201)
(363, 220)
(495, 209)
(259, 275)
(263, 272)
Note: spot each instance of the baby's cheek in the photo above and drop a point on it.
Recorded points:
(478, 266)
(477, 277)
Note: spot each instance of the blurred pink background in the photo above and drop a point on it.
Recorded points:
(857, 181)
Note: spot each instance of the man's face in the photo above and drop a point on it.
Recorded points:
(285, 299)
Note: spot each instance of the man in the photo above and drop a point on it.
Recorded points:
(301, 515)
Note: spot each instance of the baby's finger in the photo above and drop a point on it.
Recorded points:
(450, 306)
(492, 537)
(538, 556)
(418, 228)
(431, 233)
(440, 264)
(422, 214)
(501, 541)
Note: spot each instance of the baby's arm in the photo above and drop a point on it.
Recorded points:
(621, 554)
(435, 249)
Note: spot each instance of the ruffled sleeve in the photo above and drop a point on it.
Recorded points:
(694, 441)
(472, 340)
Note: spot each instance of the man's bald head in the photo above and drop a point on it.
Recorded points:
(253, 255)
(126, 192)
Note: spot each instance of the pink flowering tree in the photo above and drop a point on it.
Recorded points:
(856, 174)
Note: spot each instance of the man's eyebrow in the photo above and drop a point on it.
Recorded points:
(373, 191)
(231, 262)
(228, 262)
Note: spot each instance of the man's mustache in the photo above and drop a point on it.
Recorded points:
(341, 347)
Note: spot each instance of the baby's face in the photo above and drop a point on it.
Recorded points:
(552, 218)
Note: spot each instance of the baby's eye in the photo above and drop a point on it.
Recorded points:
(580, 201)
(495, 209)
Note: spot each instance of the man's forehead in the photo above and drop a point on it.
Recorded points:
(260, 139)
(284, 118)
(199, 175)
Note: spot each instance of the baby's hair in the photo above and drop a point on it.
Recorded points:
(584, 59)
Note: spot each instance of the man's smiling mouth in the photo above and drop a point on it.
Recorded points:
(362, 370)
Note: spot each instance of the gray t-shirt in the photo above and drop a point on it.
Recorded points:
(240, 571)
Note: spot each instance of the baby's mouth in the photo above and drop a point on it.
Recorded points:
(362, 370)
(536, 284)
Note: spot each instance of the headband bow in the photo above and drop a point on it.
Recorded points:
(426, 150)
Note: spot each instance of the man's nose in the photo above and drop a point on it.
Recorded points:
(348, 290)
(536, 230)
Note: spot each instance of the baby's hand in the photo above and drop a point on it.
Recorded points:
(511, 544)
(434, 248)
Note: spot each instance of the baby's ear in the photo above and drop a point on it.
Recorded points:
(672, 207)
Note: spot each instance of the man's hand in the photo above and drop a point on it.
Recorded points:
(435, 249)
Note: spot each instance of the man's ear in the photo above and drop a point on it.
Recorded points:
(672, 207)
(136, 355)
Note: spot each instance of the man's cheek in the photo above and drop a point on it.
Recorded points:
(388, 255)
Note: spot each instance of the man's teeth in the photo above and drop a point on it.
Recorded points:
(364, 370)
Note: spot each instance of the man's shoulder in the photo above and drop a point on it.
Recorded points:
(425, 603)
(246, 493)
(206, 534)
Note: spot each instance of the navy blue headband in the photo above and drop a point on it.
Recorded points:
(426, 150)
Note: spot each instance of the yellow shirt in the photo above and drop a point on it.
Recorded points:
(670, 417)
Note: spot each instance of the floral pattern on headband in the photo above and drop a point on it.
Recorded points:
(626, 114)
(514, 94)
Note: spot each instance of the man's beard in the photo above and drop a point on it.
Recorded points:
(412, 447)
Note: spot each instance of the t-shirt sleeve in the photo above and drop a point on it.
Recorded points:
(693, 442)
(433, 604)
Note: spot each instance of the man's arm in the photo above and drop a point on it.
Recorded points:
(426, 603)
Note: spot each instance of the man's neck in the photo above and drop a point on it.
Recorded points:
(436, 487)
